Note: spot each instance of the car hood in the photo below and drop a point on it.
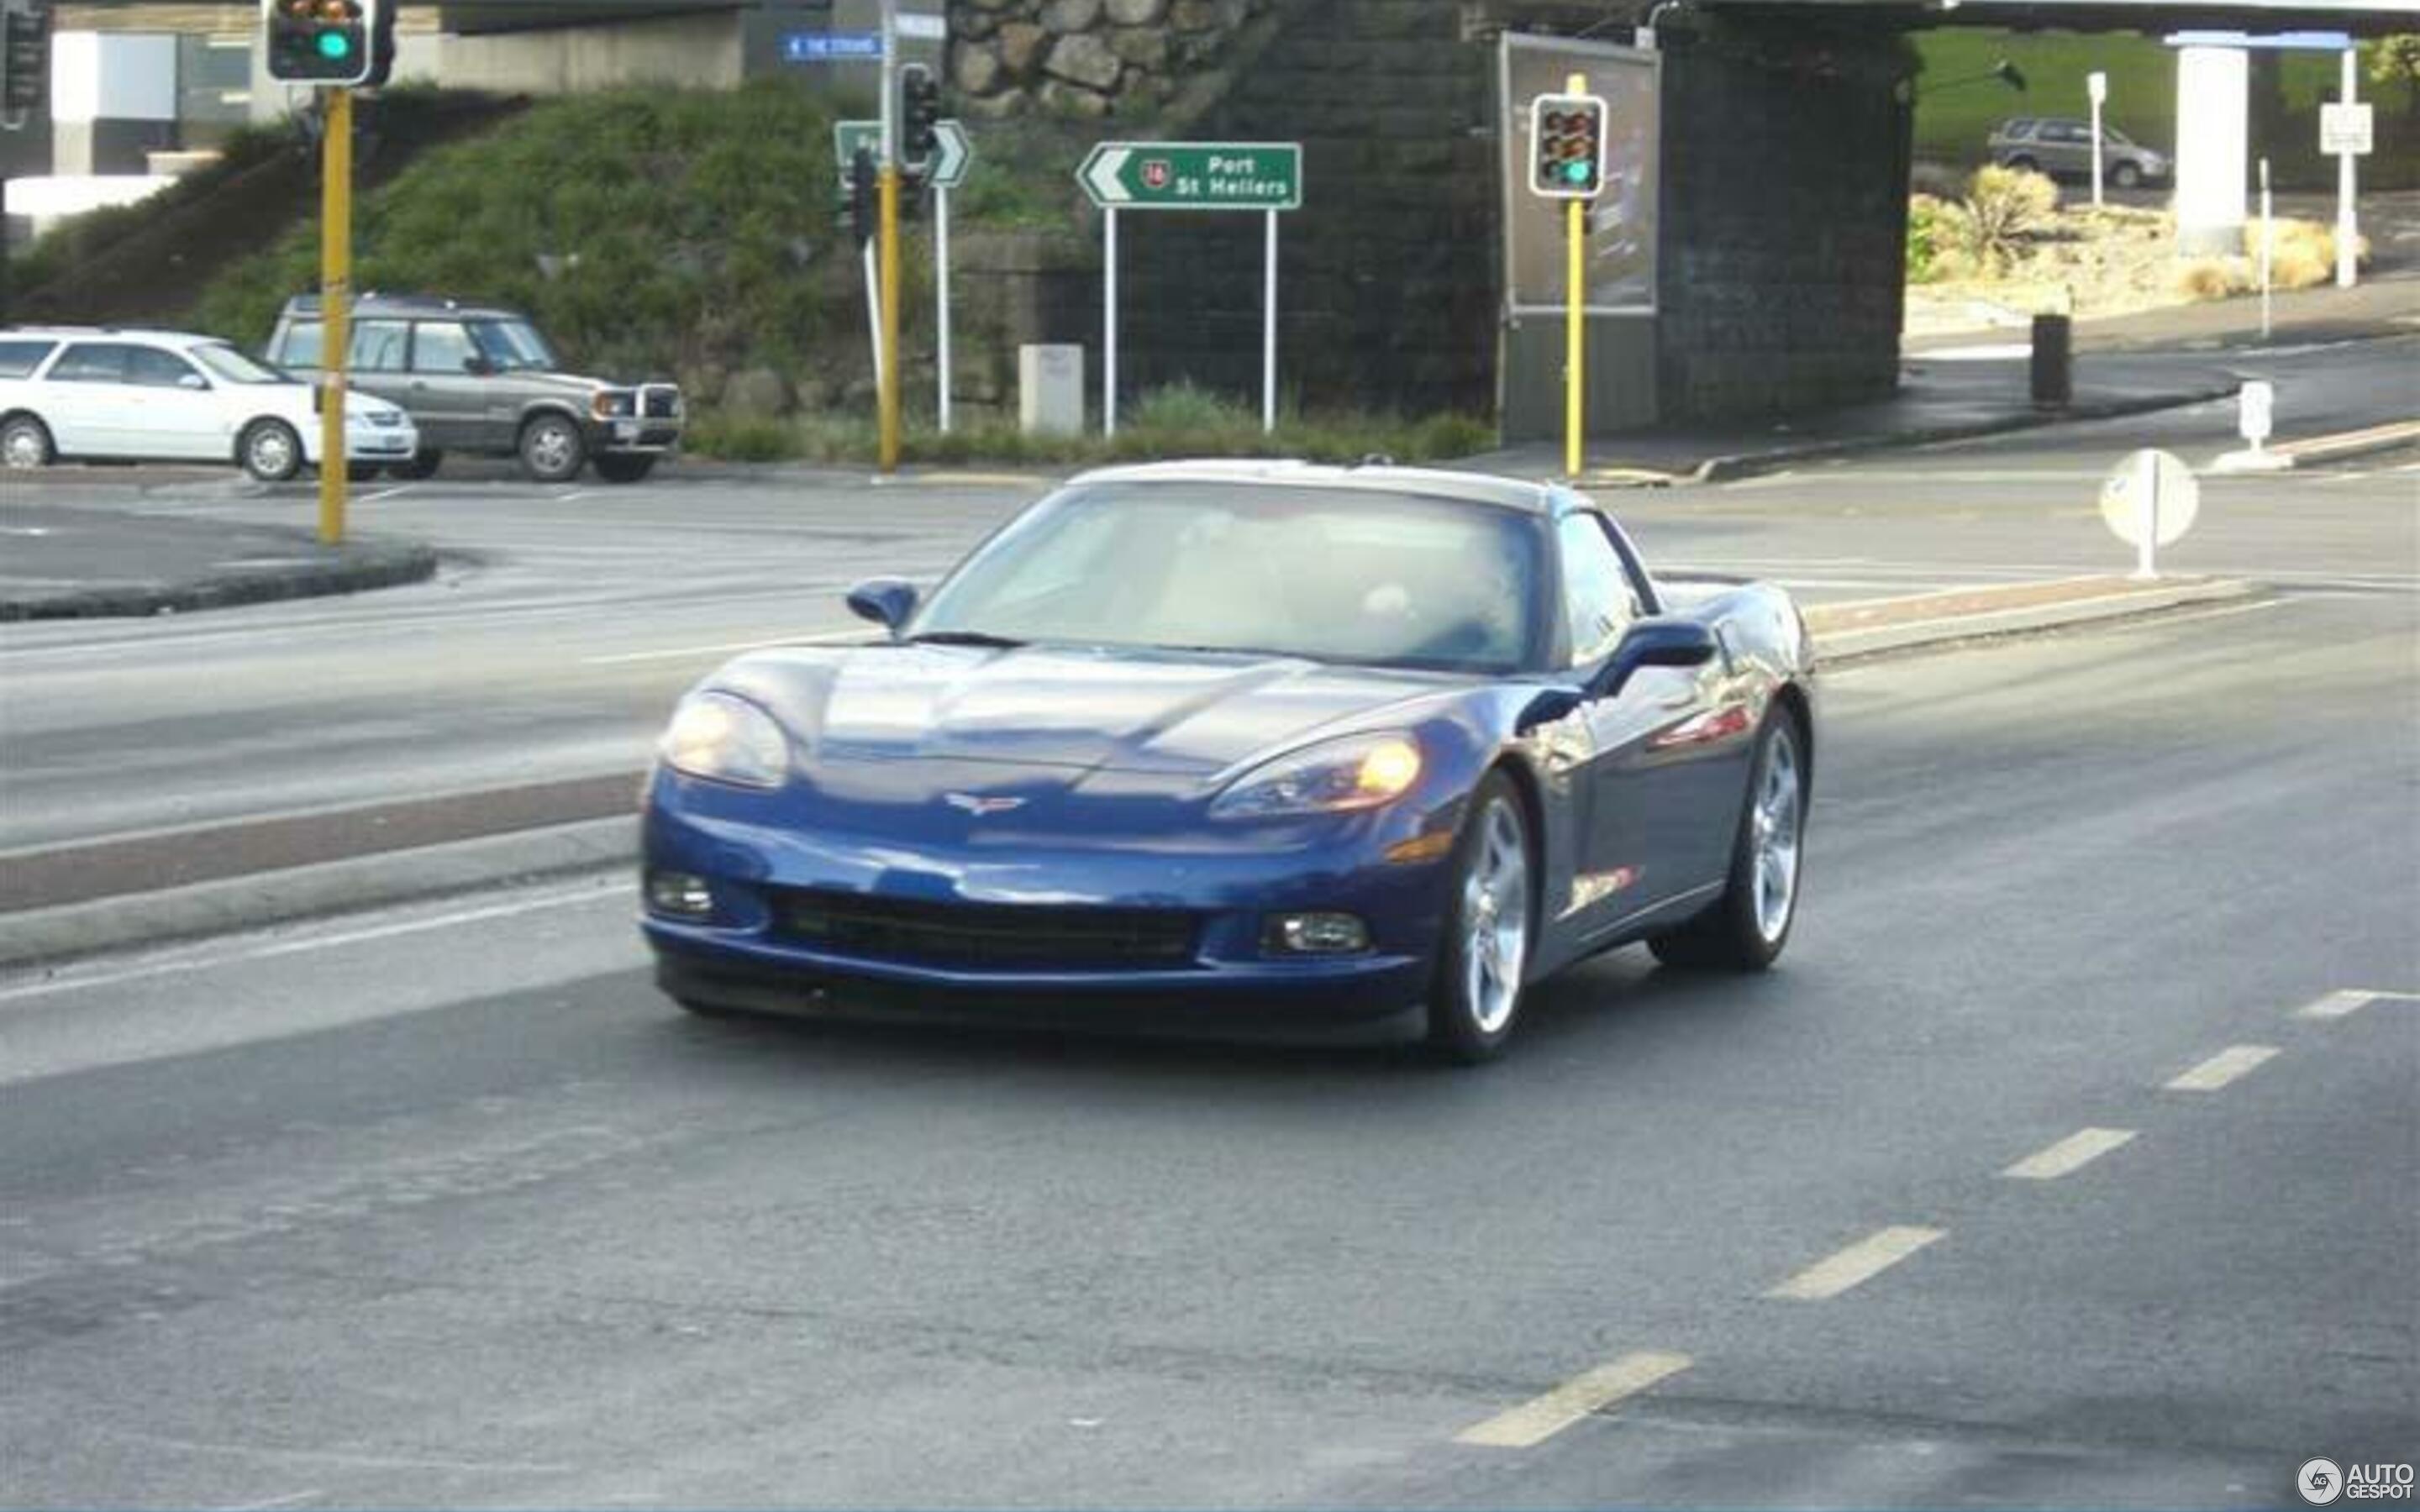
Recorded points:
(1134, 711)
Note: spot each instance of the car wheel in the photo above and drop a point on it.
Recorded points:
(269, 451)
(1477, 999)
(2125, 175)
(362, 472)
(424, 464)
(624, 467)
(1747, 926)
(2023, 165)
(553, 449)
(26, 442)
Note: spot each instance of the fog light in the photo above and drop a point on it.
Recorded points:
(679, 894)
(1315, 935)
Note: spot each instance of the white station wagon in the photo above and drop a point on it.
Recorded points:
(89, 394)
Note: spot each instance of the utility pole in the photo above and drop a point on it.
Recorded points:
(2347, 230)
(335, 305)
(887, 381)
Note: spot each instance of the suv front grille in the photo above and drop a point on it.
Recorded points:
(993, 936)
(659, 401)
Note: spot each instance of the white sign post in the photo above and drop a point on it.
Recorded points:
(2345, 131)
(952, 154)
(2268, 245)
(2149, 500)
(2096, 84)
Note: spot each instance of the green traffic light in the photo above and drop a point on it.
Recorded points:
(1577, 173)
(334, 44)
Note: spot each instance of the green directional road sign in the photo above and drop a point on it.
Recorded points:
(1194, 175)
(952, 153)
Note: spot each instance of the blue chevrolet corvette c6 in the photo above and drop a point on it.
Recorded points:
(1257, 748)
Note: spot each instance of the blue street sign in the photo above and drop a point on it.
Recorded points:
(832, 47)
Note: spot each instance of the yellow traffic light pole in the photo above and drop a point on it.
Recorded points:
(335, 306)
(1575, 320)
(887, 378)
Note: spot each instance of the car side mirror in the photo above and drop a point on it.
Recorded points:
(886, 601)
(192, 380)
(478, 366)
(1659, 641)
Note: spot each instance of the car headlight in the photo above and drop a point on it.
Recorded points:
(608, 405)
(726, 739)
(1333, 776)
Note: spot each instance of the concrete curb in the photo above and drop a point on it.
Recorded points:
(39, 935)
(367, 564)
(1849, 645)
(1751, 464)
(2393, 436)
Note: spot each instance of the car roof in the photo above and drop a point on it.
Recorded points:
(165, 338)
(375, 304)
(1435, 483)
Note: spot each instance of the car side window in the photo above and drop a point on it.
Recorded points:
(151, 368)
(91, 362)
(17, 358)
(1599, 602)
(377, 346)
(300, 347)
(440, 346)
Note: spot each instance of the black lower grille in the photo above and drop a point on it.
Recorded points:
(1000, 936)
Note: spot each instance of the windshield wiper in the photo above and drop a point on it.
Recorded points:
(963, 638)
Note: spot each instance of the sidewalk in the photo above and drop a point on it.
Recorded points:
(1939, 399)
(64, 562)
(2379, 305)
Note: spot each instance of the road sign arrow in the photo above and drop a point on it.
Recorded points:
(953, 154)
(1100, 175)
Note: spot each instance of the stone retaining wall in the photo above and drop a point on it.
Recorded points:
(1084, 58)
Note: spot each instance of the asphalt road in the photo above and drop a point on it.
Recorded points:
(446, 1207)
(570, 619)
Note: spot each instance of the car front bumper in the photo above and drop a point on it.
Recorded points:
(749, 954)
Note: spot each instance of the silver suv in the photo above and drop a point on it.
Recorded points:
(2062, 149)
(480, 378)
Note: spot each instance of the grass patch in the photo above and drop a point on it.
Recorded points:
(1180, 420)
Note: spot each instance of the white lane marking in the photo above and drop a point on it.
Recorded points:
(382, 493)
(561, 898)
(2231, 1064)
(1541, 1417)
(293, 1498)
(566, 498)
(823, 638)
(1860, 1263)
(2337, 1004)
(2071, 1153)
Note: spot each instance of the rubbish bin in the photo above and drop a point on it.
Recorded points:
(2054, 364)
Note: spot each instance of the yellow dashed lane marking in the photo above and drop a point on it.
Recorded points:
(2073, 1153)
(2230, 1064)
(1861, 1261)
(1541, 1417)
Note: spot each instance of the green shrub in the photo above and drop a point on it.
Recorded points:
(2003, 210)
(1924, 236)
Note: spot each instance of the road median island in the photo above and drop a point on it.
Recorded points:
(73, 901)
(94, 563)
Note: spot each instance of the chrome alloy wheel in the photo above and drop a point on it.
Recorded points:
(21, 446)
(554, 448)
(271, 453)
(1496, 918)
(1776, 833)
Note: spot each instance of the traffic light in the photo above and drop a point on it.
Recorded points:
(920, 112)
(25, 59)
(1567, 146)
(320, 41)
(381, 43)
(858, 204)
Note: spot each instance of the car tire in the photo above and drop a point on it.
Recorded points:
(424, 464)
(362, 472)
(2125, 175)
(2023, 165)
(1490, 927)
(25, 444)
(1748, 925)
(553, 449)
(624, 467)
(269, 451)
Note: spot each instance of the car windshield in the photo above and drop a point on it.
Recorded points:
(1344, 574)
(512, 345)
(226, 362)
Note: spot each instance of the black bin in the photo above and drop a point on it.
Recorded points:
(2053, 361)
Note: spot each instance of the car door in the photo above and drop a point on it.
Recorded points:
(1662, 798)
(378, 359)
(2066, 147)
(84, 401)
(182, 416)
(447, 398)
